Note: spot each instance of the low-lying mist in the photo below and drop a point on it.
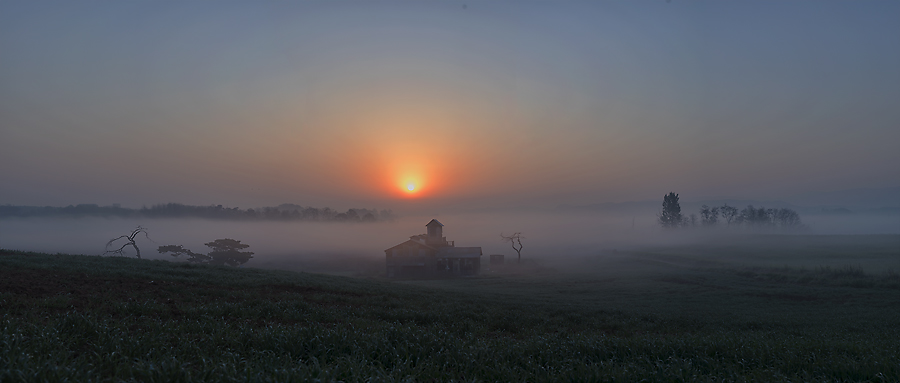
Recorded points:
(353, 248)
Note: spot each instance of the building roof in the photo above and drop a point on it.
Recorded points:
(459, 252)
(433, 221)
(410, 241)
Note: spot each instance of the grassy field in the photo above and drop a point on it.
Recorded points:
(764, 308)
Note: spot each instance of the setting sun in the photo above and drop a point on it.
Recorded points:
(411, 187)
(410, 182)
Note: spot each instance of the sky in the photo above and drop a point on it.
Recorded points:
(475, 103)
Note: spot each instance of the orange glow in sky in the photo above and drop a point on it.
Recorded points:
(408, 144)
(403, 146)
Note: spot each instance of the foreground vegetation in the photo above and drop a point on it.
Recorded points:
(642, 316)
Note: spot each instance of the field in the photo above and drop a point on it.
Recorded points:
(755, 308)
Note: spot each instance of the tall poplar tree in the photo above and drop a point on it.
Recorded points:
(671, 211)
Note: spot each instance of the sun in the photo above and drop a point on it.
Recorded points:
(410, 186)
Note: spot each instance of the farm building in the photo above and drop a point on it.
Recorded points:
(431, 255)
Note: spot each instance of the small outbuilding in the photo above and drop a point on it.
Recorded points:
(431, 255)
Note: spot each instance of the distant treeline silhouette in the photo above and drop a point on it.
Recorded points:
(781, 218)
(284, 212)
(750, 216)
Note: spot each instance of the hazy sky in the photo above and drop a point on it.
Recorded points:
(487, 103)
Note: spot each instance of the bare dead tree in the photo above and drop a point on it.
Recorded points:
(515, 239)
(129, 241)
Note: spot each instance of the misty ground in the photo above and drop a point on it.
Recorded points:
(770, 280)
(357, 249)
(745, 308)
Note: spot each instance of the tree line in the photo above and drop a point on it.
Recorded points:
(725, 215)
(225, 251)
(284, 212)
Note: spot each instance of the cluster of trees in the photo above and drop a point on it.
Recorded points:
(284, 212)
(749, 216)
(225, 251)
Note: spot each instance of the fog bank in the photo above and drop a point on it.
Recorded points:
(346, 247)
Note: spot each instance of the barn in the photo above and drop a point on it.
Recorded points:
(431, 255)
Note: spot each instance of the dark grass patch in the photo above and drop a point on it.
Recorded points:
(847, 276)
(115, 319)
(697, 281)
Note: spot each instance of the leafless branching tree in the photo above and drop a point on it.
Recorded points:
(129, 241)
(515, 239)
